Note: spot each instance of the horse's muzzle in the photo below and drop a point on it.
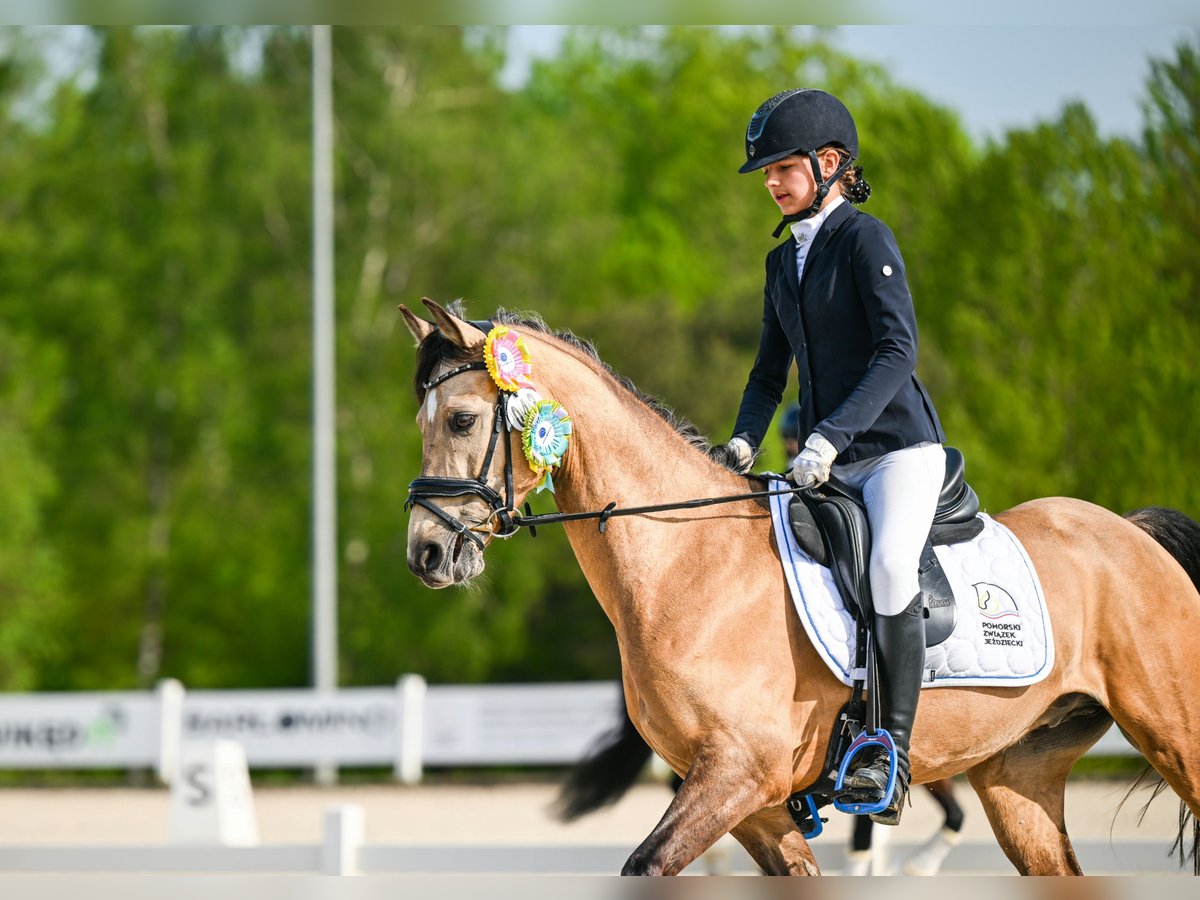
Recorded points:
(441, 558)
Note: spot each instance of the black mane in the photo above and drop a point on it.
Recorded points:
(436, 350)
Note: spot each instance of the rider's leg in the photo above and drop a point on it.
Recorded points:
(900, 645)
(900, 495)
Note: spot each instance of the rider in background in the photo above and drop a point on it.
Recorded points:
(789, 431)
(836, 300)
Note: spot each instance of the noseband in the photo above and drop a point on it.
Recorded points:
(422, 488)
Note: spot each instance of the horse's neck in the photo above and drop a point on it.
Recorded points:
(624, 452)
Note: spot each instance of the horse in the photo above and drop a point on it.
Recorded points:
(719, 677)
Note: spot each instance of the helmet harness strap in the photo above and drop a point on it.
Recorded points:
(823, 187)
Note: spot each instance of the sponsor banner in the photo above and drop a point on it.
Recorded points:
(526, 724)
(101, 730)
(352, 727)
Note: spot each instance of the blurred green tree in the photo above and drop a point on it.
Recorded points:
(155, 315)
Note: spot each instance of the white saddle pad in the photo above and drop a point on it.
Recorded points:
(1002, 637)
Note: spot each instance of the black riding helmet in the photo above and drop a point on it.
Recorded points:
(799, 122)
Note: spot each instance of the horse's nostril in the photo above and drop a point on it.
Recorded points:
(430, 557)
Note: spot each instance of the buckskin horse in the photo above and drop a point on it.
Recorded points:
(719, 676)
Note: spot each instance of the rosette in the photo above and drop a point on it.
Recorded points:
(507, 359)
(546, 434)
(519, 405)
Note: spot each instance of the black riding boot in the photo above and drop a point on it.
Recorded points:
(900, 654)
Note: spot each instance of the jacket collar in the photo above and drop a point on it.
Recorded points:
(836, 219)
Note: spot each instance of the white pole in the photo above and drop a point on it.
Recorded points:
(324, 618)
(170, 728)
(342, 839)
(409, 761)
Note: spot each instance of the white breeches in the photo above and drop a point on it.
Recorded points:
(900, 491)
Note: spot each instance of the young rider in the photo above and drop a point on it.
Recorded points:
(837, 301)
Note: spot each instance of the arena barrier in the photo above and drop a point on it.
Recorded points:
(408, 726)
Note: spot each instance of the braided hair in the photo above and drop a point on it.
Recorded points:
(854, 186)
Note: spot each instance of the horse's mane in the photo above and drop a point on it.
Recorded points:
(437, 349)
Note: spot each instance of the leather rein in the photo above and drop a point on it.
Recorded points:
(510, 521)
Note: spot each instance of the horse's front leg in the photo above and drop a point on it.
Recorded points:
(725, 785)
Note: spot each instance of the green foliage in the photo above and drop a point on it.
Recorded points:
(155, 315)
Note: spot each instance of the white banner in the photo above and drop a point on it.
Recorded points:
(352, 727)
(85, 731)
(448, 725)
(523, 724)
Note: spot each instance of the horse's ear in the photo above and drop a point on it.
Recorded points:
(419, 327)
(462, 334)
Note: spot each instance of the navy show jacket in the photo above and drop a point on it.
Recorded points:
(853, 333)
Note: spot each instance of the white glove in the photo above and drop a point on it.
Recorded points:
(741, 452)
(811, 467)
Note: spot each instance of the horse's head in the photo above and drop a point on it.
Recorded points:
(473, 471)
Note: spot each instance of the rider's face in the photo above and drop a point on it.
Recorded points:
(790, 180)
(790, 183)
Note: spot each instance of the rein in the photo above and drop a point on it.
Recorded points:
(611, 510)
(422, 488)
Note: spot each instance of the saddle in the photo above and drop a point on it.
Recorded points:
(830, 525)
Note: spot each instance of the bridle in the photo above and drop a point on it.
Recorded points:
(504, 512)
(422, 488)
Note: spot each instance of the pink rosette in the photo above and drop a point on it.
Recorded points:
(507, 359)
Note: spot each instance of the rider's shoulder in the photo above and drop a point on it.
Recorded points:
(864, 226)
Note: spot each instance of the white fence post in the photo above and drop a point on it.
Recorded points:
(212, 801)
(342, 839)
(410, 690)
(170, 728)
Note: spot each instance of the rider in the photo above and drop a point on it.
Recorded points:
(837, 300)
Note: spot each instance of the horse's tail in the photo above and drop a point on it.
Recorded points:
(1179, 536)
(605, 774)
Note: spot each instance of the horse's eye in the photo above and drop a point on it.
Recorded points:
(462, 421)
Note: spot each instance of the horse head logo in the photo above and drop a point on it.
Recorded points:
(995, 602)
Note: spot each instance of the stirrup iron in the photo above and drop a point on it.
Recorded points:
(854, 802)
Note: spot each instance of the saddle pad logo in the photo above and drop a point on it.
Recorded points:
(995, 602)
(1000, 620)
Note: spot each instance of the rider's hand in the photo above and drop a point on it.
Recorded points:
(738, 454)
(812, 465)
